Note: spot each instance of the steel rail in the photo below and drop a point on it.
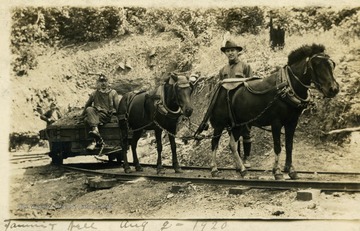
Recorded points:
(255, 170)
(253, 183)
(249, 170)
(35, 154)
(29, 158)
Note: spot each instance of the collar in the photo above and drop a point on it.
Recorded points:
(287, 92)
(233, 62)
(161, 106)
(107, 90)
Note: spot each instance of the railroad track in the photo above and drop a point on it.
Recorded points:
(28, 157)
(256, 178)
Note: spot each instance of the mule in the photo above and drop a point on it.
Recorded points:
(156, 110)
(277, 101)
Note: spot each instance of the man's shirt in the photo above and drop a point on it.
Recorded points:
(237, 69)
(104, 101)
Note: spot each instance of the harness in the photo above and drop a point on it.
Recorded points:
(161, 107)
(283, 87)
(130, 99)
(160, 104)
(286, 90)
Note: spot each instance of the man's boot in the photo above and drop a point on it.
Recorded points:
(91, 146)
(95, 133)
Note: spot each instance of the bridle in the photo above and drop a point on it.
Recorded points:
(313, 74)
(176, 87)
(309, 66)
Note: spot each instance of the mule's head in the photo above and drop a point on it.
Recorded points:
(182, 90)
(322, 71)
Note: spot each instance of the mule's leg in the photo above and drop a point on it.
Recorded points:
(134, 142)
(247, 145)
(289, 140)
(124, 150)
(214, 146)
(124, 144)
(234, 149)
(160, 169)
(276, 132)
(175, 162)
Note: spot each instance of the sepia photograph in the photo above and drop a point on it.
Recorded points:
(180, 115)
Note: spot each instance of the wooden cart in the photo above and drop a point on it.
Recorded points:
(69, 140)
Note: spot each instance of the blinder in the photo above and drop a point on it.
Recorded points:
(182, 82)
(183, 85)
(310, 65)
(322, 56)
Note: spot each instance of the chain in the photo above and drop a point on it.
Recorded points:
(203, 136)
(140, 128)
(162, 128)
(244, 123)
(261, 113)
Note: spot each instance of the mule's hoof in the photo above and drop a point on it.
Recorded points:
(160, 171)
(127, 170)
(139, 169)
(293, 175)
(242, 173)
(215, 173)
(178, 170)
(279, 176)
(247, 164)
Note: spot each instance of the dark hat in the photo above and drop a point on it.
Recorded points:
(230, 44)
(102, 78)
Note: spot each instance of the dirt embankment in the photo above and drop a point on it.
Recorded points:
(66, 77)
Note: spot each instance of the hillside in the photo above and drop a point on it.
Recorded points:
(66, 75)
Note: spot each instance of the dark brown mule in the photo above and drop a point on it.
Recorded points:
(277, 100)
(158, 110)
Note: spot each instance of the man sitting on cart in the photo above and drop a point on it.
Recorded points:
(99, 109)
(52, 115)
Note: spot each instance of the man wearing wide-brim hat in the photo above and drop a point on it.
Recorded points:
(237, 69)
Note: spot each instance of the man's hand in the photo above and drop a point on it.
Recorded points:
(112, 112)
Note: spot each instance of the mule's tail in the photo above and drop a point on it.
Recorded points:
(204, 125)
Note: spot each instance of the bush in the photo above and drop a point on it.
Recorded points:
(350, 28)
(39, 27)
(319, 19)
(28, 34)
(88, 24)
(243, 20)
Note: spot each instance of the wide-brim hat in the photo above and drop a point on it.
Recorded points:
(229, 45)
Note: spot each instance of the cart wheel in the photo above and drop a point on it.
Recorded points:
(119, 157)
(56, 153)
(57, 158)
(112, 157)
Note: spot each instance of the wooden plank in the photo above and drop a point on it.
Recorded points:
(354, 129)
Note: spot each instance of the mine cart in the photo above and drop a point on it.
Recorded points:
(69, 137)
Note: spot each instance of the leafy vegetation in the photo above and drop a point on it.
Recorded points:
(35, 28)
(194, 33)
